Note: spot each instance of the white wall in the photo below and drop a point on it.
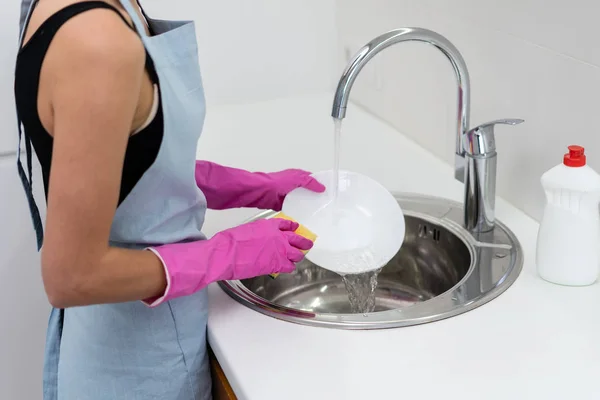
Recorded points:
(261, 49)
(9, 35)
(24, 313)
(533, 59)
(25, 310)
(249, 51)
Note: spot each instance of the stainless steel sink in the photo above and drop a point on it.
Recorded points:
(441, 271)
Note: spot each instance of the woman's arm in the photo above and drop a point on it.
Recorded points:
(93, 74)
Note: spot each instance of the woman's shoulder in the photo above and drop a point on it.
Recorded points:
(96, 36)
(47, 9)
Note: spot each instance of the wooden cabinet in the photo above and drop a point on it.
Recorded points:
(221, 389)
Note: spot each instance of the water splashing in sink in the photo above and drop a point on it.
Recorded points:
(361, 291)
(360, 287)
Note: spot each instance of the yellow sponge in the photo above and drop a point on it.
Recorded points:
(302, 231)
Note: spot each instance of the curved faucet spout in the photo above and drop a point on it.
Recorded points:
(388, 39)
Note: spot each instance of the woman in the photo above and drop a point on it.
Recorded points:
(113, 104)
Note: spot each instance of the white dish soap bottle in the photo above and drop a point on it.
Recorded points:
(568, 244)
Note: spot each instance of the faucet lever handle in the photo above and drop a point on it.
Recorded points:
(481, 140)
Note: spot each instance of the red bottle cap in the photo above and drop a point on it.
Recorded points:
(575, 157)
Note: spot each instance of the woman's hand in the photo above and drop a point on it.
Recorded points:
(257, 248)
(284, 182)
(226, 187)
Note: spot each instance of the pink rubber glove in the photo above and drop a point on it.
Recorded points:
(226, 187)
(254, 249)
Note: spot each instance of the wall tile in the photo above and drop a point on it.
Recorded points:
(556, 94)
(566, 27)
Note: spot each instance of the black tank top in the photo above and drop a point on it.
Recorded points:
(142, 148)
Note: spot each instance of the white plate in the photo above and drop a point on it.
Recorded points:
(360, 231)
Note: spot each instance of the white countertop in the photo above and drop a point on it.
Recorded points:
(535, 341)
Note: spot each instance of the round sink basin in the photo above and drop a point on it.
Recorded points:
(431, 261)
(440, 271)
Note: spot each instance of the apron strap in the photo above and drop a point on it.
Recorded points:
(137, 22)
(27, 182)
(27, 7)
(143, 11)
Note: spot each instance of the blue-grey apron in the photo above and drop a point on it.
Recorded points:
(128, 350)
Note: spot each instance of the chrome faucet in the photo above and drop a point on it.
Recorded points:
(475, 152)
